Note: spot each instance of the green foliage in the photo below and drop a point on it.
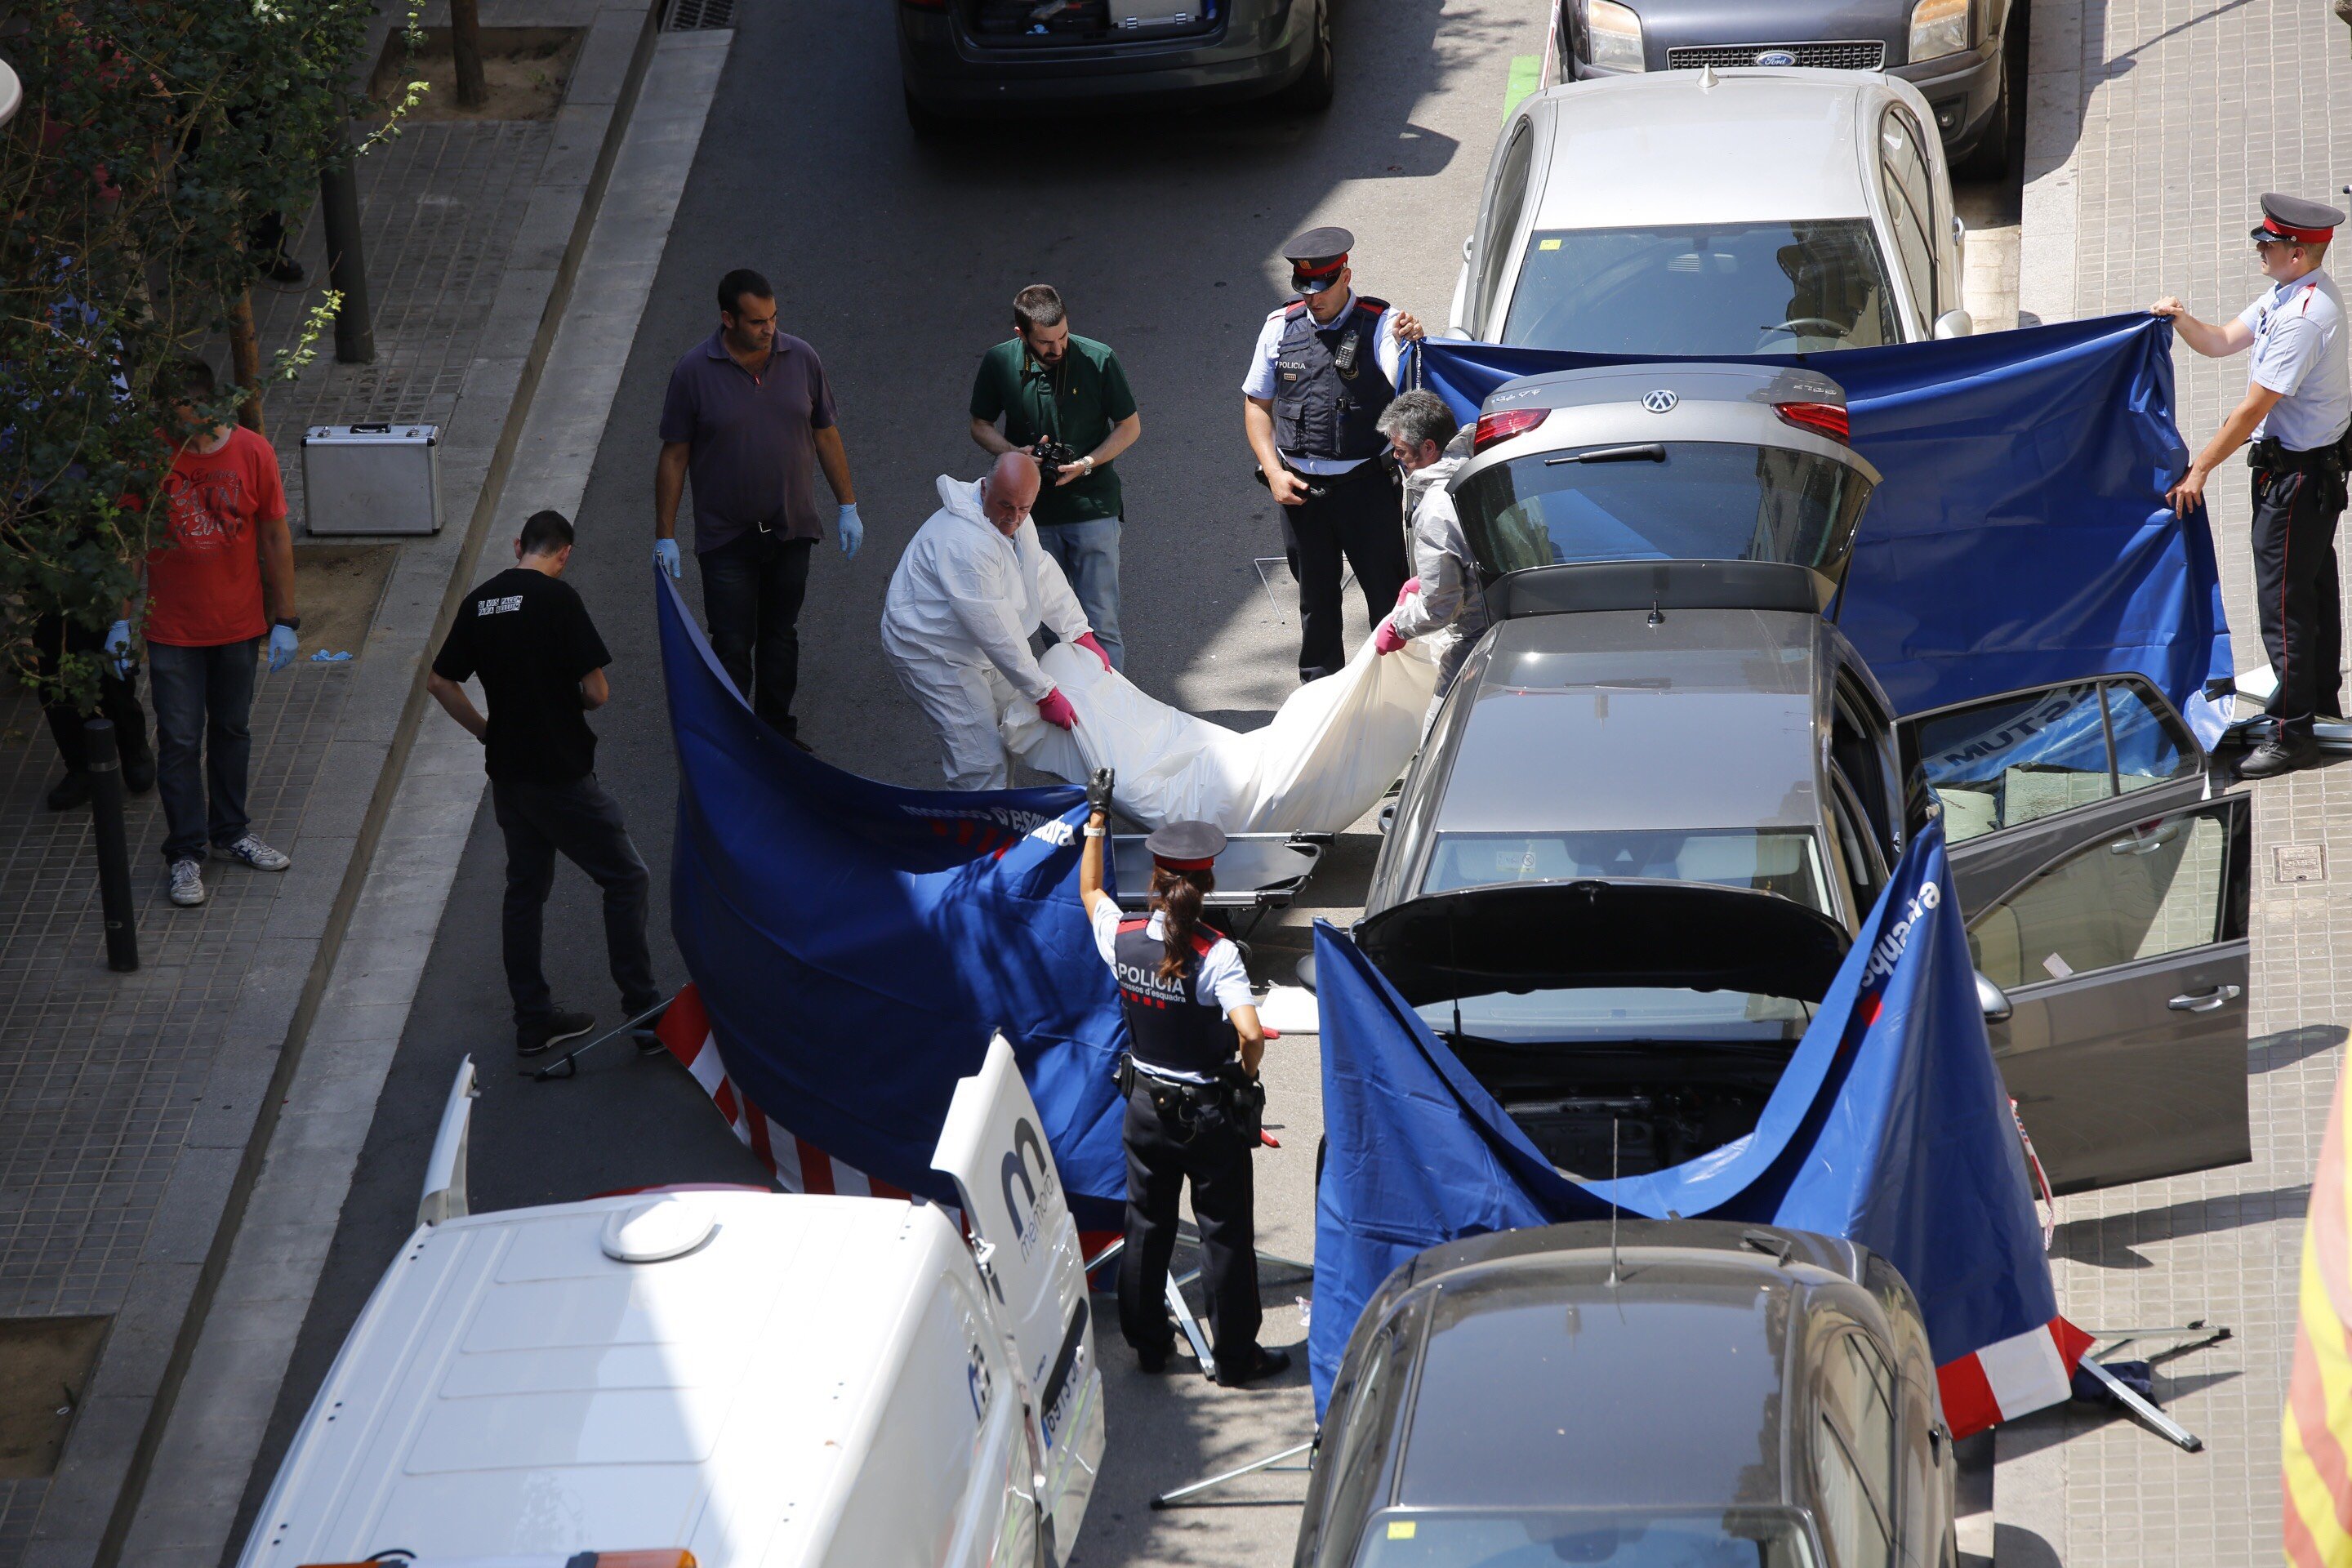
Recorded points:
(153, 135)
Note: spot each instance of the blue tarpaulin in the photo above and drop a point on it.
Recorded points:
(2018, 535)
(1889, 1127)
(854, 943)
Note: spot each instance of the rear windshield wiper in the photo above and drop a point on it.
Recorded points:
(1648, 452)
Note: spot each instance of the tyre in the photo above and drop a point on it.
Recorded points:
(1989, 159)
(1312, 91)
(926, 123)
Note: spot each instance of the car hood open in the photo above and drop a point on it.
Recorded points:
(1533, 936)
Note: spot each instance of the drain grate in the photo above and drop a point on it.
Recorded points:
(698, 15)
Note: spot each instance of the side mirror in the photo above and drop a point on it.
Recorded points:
(1993, 1000)
(1954, 324)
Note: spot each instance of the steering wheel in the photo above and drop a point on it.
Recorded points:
(1825, 328)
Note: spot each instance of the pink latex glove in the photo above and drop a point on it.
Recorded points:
(1412, 586)
(1385, 640)
(1087, 642)
(1056, 710)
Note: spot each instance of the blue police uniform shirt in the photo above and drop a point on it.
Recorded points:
(1259, 383)
(2300, 353)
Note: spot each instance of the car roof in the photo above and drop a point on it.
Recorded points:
(512, 1387)
(1759, 145)
(1601, 721)
(1558, 1371)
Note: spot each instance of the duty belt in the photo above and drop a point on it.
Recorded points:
(2269, 454)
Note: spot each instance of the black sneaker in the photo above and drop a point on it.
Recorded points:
(552, 1030)
(2282, 754)
(1264, 1363)
(70, 792)
(283, 270)
(1153, 1360)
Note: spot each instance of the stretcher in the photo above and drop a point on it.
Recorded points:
(1257, 872)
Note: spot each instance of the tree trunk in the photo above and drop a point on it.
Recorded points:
(466, 48)
(245, 362)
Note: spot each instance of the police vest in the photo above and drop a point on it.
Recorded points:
(1166, 1028)
(1328, 386)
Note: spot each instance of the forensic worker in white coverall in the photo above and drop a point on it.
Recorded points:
(972, 588)
(1443, 602)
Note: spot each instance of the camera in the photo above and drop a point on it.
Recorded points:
(1053, 455)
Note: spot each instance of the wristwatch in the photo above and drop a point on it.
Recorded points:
(1087, 463)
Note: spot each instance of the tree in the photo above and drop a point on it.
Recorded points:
(154, 136)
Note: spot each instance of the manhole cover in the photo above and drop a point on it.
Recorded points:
(44, 1368)
(700, 16)
(2299, 862)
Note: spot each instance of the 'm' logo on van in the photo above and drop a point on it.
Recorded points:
(1016, 1169)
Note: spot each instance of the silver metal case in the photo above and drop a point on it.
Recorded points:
(371, 479)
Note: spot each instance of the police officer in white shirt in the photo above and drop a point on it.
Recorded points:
(2297, 410)
(1325, 367)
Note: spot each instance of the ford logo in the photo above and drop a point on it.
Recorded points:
(1776, 58)
(1660, 401)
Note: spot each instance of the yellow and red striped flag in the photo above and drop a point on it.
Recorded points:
(2318, 1421)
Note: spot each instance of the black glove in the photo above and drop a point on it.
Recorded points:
(1098, 792)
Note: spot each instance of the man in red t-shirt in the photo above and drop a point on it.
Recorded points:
(220, 581)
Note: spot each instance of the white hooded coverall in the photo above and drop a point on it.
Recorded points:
(1449, 607)
(963, 603)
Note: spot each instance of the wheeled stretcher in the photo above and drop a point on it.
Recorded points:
(1257, 872)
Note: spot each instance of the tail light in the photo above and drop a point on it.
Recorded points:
(1502, 424)
(1822, 419)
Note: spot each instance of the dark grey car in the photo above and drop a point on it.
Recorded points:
(1700, 1394)
(1953, 51)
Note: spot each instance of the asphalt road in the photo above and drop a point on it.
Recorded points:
(898, 262)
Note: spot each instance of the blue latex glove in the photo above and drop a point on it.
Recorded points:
(665, 556)
(852, 530)
(118, 646)
(282, 646)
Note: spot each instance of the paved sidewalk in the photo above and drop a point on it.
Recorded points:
(2154, 125)
(130, 1107)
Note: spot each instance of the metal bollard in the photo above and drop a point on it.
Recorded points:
(104, 764)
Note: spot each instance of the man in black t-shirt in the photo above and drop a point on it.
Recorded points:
(528, 635)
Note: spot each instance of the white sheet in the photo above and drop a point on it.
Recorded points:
(1333, 748)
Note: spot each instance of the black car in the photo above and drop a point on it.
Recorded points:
(1697, 1393)
(1951, 51)
(970, 57)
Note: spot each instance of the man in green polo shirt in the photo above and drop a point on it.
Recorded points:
(1048, 384)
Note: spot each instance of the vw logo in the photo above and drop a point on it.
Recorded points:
(1660, 402)
(1776, 58)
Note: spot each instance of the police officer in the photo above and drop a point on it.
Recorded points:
(1193, 1096)
(2297, 407)
(1325, 367)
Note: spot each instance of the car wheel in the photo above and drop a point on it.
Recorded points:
(926, 123)
(1312, 91)
(1989, 159)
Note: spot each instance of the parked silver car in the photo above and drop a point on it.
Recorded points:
(1741, 212)
(1698, 1393)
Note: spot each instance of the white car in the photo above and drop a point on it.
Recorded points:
(730, 1379)
(1715, 213)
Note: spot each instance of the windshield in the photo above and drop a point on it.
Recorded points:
(1677, 501)
(1729, 289)
(1775, 860)
(1621, 1012)
(1736, 1538)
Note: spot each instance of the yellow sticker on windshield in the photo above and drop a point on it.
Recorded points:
(1400, 1529)
(1547, 245)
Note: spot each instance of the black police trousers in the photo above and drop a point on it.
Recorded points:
(1167, 1146)
(2296, 507)
(1360, 515)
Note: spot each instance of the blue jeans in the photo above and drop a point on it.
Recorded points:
(1089, 556)
(752, 592)
(204, 741)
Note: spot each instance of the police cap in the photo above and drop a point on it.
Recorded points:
(1187, 846)
(1316, 257)
(2293, 218)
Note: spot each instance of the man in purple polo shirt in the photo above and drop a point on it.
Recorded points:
(749, 416)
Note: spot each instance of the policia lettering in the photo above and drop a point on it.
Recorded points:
(1193, 1102)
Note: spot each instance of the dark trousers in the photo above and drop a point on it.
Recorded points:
(1360, 514)
(579, 821)
(204, 741)
(751, 591)
(118, 696)
(1165, 1150)
(2296, 590)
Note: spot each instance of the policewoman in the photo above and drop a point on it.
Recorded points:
(2297, 410)
(1324, 369)
(1193, 1102)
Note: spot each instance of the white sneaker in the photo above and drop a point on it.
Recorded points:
(188, 883)
(253, 852)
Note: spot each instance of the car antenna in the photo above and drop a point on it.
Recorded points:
(1614, 1124)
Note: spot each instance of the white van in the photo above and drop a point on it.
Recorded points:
(734, 1379)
